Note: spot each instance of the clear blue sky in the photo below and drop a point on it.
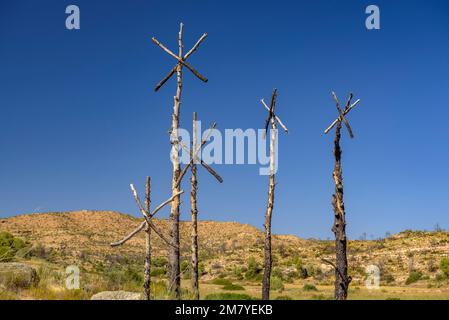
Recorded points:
(79, 119)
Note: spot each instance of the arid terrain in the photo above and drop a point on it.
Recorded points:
(412, 264)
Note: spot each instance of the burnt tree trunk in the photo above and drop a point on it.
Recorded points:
(147, 272)
(175, 279)
(339, 228)
(267, 244)
(194, 183)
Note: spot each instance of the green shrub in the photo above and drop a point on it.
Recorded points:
(201, 268)
(283, 298)
(184, 266)
(254, 271)
(157, 272)
(440, 277)
(159, 262)
(221, 281)
(228, 296)
(41, 252)
(124, 279)
(444, 266)
(413, 277)
(309, 287)
(388, 278)
(276, 284)
(10, 245)
(232, 287)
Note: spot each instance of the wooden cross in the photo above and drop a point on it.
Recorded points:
(181, 60)
(147, 225)
(343, 113)
(194, 159)
(273, 119)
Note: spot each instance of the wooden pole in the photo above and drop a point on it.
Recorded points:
(147, 272)
(267, 245)
(339, 228)
(175, 274)
(193, 194)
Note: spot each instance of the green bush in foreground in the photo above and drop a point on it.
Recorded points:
(413, 277)
(228, 296)
(9, 246)
(309, 287)
(232, 287)
(276, 284)
(444, 266)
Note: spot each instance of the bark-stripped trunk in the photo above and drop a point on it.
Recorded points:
(147, 272)
(267, 245)
(194, 183)
(175, 279)
(341, 271)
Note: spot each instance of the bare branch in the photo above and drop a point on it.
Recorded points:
(345, 113)
(203, 142)
(195, 47)
(132, 234)
(165, 79)
(163, 204)
(204, 164)
(173, 70)
(148, 219)
(277, 118)
(180, 60)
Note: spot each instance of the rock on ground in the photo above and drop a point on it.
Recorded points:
(116, 295)
(17, 275)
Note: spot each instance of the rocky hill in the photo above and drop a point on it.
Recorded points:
(84, 237)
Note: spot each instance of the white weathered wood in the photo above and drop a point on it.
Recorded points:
(180, 60)
(345, 113)
(173, 70)
(277, 118)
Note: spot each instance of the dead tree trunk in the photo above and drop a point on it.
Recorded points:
(147, 272)
(194, 183)
(267, 246)
(268, 260)
(339, 228)
(175, 274)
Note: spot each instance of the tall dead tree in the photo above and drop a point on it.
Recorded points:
(272, 119)
(342, 279)
(175, 275)
(194, 159)
(147, 225)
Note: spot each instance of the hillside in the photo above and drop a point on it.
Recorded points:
(83, 238)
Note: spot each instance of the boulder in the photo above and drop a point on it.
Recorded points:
(17, 276)
(116, 295)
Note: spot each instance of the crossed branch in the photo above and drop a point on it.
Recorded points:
(272, 117)
(147, 216)
(343, 113)
(195, 159)
(181, 61)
